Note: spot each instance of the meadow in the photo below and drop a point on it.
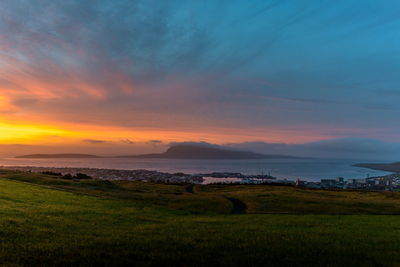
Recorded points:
(49, 221)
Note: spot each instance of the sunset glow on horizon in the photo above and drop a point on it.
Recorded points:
(16, 133)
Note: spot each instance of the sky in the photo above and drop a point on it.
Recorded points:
(135, 76)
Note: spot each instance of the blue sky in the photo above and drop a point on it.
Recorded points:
(288, 71)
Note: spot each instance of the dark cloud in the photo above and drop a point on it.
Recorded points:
(388, 92)
(127, 141)
(382, 107)
(94, 141)
(155, 142)
(26, 102)
(203, 144)
(346, 148)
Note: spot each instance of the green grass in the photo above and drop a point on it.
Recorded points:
(46, 221)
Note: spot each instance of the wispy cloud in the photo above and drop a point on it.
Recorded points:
(154, 142)
(94, 141)
(127, 141)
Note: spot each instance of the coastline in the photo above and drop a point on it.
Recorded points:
(143, 175)
(112, 174)
(394, 167)
(385, 182)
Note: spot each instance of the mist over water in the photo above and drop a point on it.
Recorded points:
(306, 169)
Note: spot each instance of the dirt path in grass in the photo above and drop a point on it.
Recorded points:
(238, 206)
(190, 189)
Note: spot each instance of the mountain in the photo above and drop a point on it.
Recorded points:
(176, 152)
(203, 152)
(57, 156)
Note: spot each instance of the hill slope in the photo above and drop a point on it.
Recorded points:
(47, 221)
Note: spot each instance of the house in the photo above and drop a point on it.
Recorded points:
(328, 183)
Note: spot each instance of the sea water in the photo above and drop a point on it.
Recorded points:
(305, 169)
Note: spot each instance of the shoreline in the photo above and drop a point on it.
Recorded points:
(142, 174)
(385, 182)
(111, 174)
(394, 167)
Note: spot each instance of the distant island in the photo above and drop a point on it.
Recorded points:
(389, 167)
(203, 152)
(57, 156)
(176, 152)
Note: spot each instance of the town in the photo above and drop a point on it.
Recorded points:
(389, 182)
(113, 174)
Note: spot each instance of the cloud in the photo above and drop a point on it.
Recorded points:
(389, 92)
(127, 141)
(382, 107)
(202, 144)
(346, 148)
(154, 142)
(359, 149)
(94, 141)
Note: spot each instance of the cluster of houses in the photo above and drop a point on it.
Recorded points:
(388, 182)
(113, 174)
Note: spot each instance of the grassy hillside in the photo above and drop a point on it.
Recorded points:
(45, 220)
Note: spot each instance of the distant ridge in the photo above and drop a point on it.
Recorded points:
(204, 152)
(56, 156)
(176, 152)
(389, 167)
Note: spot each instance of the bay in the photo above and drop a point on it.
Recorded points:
(305, 169)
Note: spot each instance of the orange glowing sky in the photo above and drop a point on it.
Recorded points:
(62, 107)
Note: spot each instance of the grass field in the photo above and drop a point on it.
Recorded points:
(49, 221)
